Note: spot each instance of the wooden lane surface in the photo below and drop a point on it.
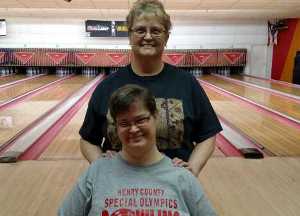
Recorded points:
(22, 88)
(268, 84)
(279, 138)
(241, 187)
(235, 186)
(66, 144)
(13, 78)
(280, 104)
(36, 187)
(27, 111)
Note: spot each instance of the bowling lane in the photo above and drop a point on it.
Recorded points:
(66, 144)
(265, 98)
(277, 137)
(29, 85)
(16, 118)
(265, 187)
(12, 78)
(289, 89)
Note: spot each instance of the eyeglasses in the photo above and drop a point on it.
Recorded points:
(155, 32)
(139, 122)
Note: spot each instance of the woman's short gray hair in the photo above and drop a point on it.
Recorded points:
(145, 7)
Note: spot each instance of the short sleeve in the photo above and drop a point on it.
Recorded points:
(198, 203)
(78, 200)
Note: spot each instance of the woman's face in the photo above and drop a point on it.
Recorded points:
(148, 37)
(136, 128)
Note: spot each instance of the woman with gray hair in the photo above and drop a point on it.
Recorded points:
(187, 123)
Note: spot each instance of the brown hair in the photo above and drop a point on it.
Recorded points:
(123, 97)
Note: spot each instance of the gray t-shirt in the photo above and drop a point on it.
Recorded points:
(113, 187)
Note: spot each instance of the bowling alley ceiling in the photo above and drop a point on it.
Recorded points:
(179, 9)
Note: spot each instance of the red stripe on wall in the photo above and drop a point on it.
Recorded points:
(281, 50)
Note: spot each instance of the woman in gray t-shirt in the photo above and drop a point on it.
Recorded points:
(139, 180)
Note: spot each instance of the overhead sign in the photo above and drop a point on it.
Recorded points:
(98, 28)
(121, 29)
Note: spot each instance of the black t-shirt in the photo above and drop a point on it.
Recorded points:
(185, 113)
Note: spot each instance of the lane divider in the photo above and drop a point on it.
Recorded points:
(31, 93)
(285, 119)
(4, 86)
(291, 97)
(275, 81)
(226, 147)
(22, 142)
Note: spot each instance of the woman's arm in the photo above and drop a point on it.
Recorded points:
(201, 154)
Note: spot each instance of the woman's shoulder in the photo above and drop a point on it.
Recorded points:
(179, 171)
(183, 172)
(101, 165)
(102, 162)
